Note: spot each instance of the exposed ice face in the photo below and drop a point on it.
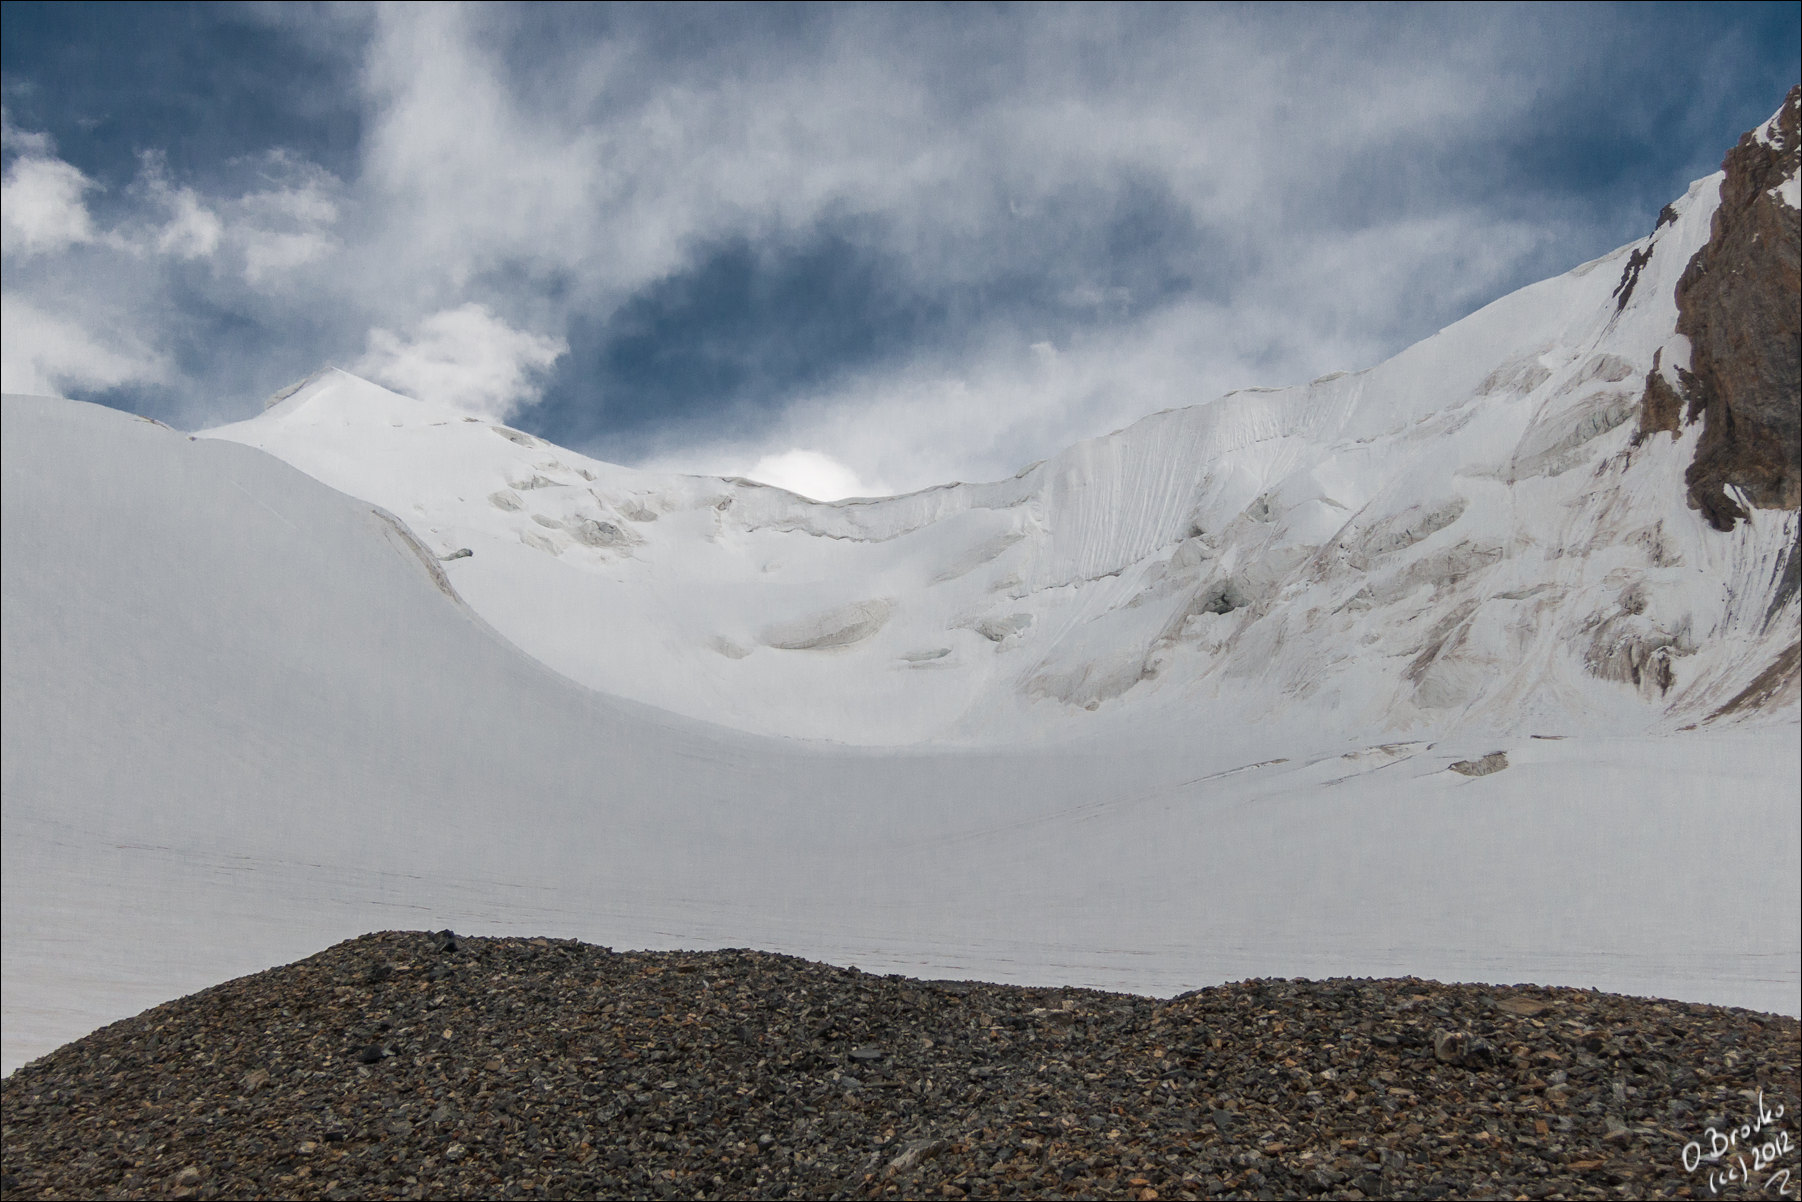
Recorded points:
(1454, 536)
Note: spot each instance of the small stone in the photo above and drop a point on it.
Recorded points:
(255, 1079)
(917, 1154)
(1521, 1006)
(371, 1054)
(867, 1053)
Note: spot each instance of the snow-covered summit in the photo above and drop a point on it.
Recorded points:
(1476, 532)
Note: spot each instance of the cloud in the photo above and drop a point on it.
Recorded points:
(50, 356)
(288, 224)
(193, 231)
(96, 308)
(14, 140)
(811, 474)
(42, 210)
(1095, 180)
(465, 357)
(178, 221)
(719, 239)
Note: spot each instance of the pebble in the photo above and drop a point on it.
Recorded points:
(579, 1072)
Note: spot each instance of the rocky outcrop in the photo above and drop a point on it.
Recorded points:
(1740, 304)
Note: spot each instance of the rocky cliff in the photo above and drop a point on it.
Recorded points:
(1738, 303)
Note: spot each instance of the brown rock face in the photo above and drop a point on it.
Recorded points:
(1740, 304)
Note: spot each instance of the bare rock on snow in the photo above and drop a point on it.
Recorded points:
(1495, 761)
(1740, 304)
(999, 629)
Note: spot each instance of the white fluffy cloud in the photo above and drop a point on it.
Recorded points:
(193, 230)
(465, 357)
(811, 474)
(186, 227)
(23, 141)
(49, 356)
(42, 206)
(86, 309)
(289, 224)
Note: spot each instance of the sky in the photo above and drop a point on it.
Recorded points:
(852, 250)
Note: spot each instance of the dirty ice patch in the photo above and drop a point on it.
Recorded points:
(841, 627)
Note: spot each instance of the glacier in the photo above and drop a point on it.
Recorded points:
(1266, 553)
(1179, 705)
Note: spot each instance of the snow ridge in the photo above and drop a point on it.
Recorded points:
(1470, 534)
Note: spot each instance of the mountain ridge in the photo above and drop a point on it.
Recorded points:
(1174, 558)
(1398, 687)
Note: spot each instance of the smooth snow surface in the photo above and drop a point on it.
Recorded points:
(1177, 706)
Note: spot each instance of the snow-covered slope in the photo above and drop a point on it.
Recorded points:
(1471, 535)
(1429, 669)
(243, 718)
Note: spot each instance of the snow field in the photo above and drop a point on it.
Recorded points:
(1176, 706)
(237, 731)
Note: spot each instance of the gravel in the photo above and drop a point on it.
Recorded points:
(409, 1065)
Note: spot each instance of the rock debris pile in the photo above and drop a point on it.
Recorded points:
(405, 1065)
